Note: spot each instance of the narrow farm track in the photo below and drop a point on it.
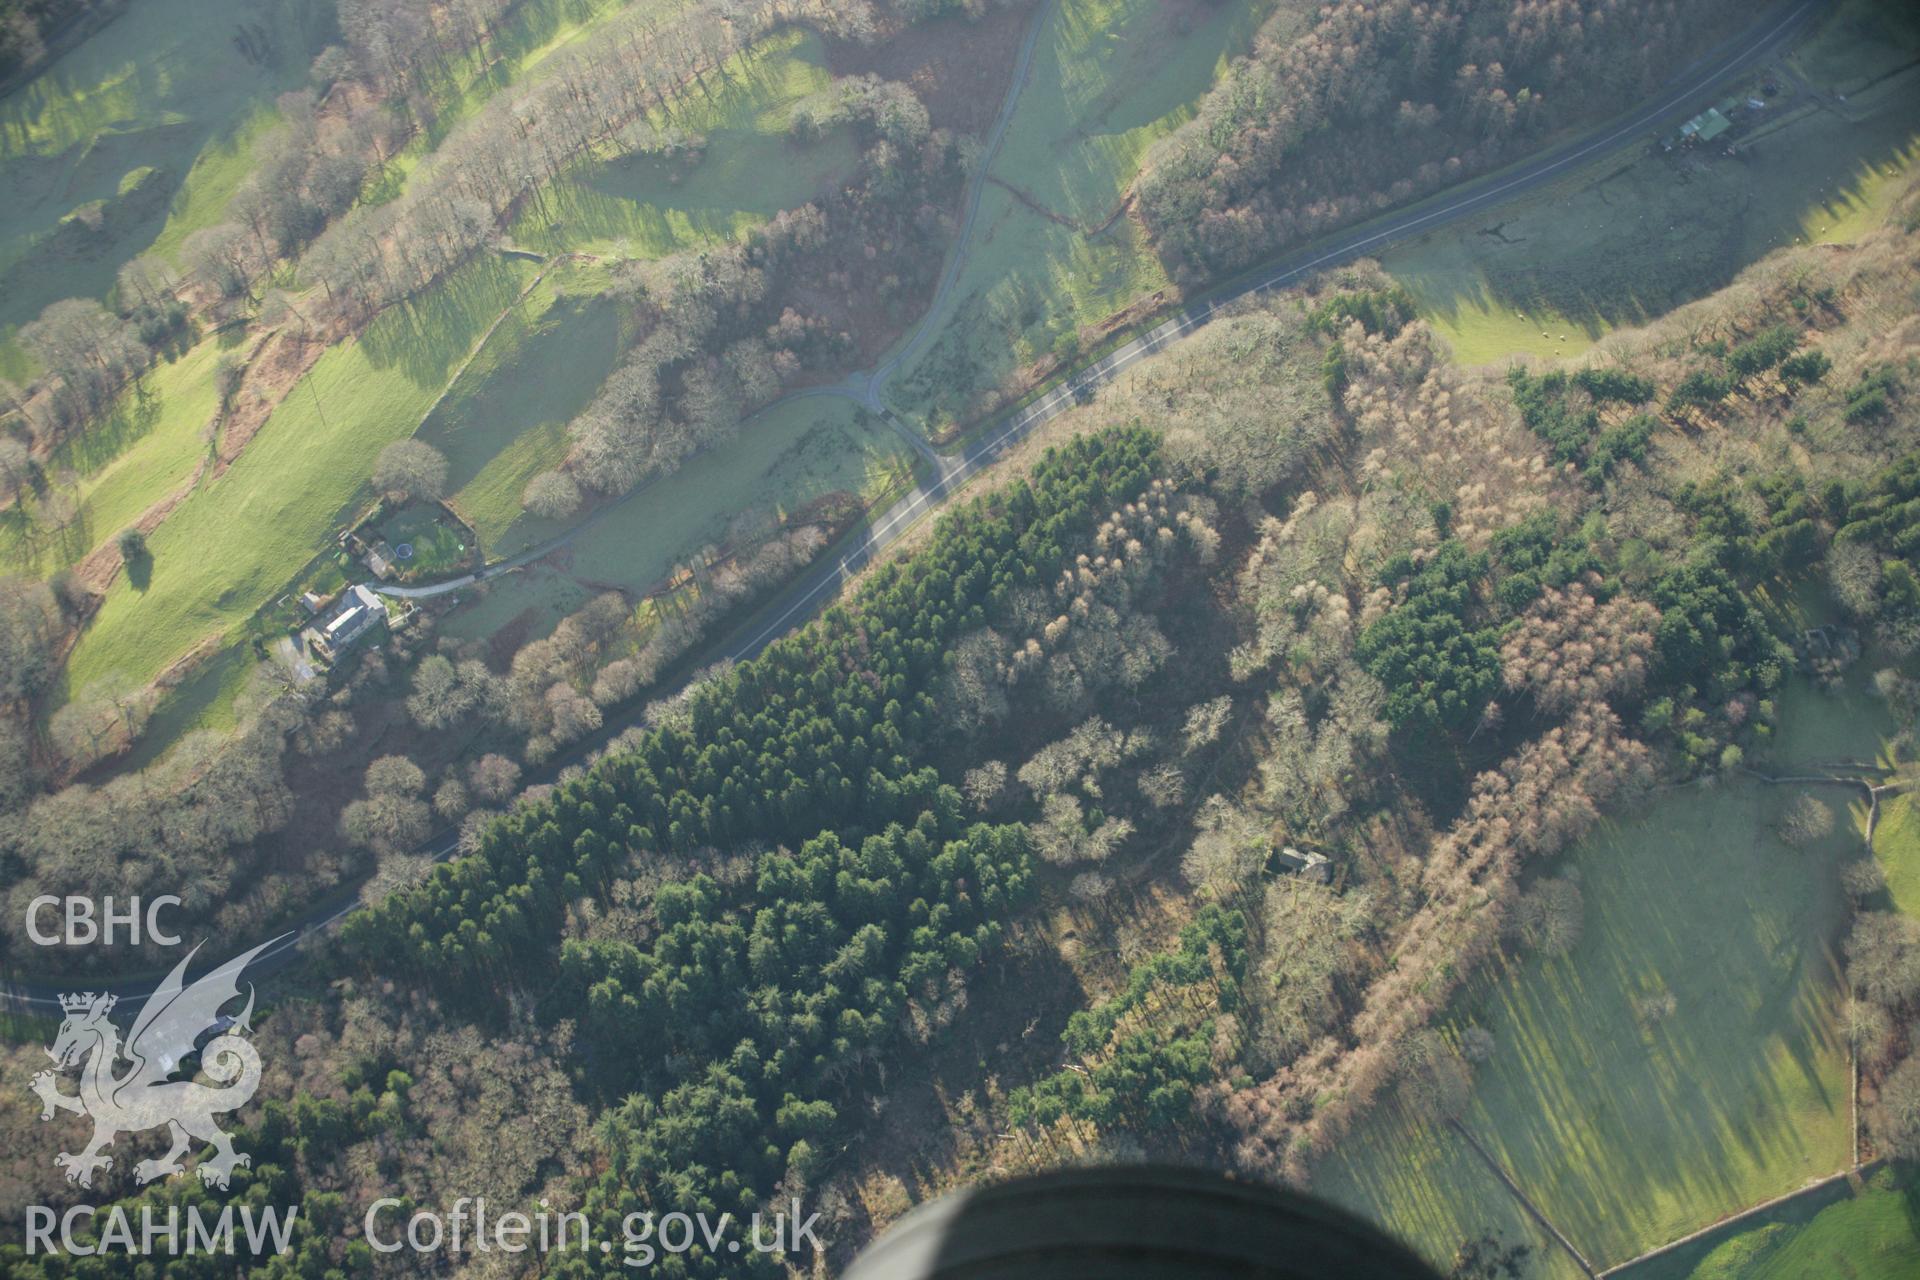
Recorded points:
(1513, 1188)
(876, 383)
(950, 474)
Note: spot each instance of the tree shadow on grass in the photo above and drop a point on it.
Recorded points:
(75, 258)
(32, 538)
(1686, 1260)
(1655, 233)
(648, 201)
(427, 336)
(515, 397)
(130, 420)
(529, 25)
(1420, 1180)
(1625, 1125)
(1910, 1198)
(139, 567)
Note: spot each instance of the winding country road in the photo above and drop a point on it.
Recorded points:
(821, 583)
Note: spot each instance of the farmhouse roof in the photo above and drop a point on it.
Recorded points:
(1706, 126)
(359, 611)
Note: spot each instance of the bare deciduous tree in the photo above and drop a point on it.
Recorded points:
(1808, 820)
(985, 785)
(493, 777)
(552, 495)
(392, 818)
(411, 469)
(1894, 1116)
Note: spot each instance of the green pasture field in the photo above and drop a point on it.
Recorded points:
(1629, 1128)
(108, 476)
(164, 86)
(1862, 42)
(1109, 77)
(504, 419)
(1896, 843)
(751, 169)
(1422, 1183)
(235, 543)
(222, 165)
(1872, 1235)
(785, 457)
(208, 699)
(1629, 239)
(539, 594)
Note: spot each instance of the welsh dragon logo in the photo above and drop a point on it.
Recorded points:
(143, 1096)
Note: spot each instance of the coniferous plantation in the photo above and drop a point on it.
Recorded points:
(499, 494)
